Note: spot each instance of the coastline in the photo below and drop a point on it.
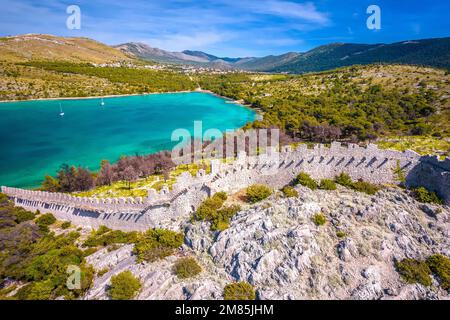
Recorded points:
(233, 101)
(127, 95)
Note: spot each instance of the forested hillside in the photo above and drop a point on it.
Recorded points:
(429, 52)
(355, 103)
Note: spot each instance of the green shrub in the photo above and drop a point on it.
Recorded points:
(41, 290)
(305, 180)
(319, 219)
(3, 198)
(366, 187)
(23, 215)
(239, 291)
(399, 174)
(124, 286)
(344, 180)
(327, 184)
(341, 234)
(186, 268)
(212, 210)
(414, 271)
(221, 221)
(24, 292)
(289, 192)
(102, 272)
(440, 265)
(65, 225)
(361, 186)
(257, 193)
(425, 196)
(105, 237)
(44, 221)
(208, 208)
(157, 244)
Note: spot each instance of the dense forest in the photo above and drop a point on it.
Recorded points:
(346, 104)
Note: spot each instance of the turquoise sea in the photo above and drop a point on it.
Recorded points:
(35, 140)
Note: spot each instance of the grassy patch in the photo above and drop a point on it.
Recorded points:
(140, 187)
(327, 184)
(105, 236)
(423, 145)
(186, 268)
(239, 291)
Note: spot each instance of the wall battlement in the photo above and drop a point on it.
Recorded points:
(273, 168)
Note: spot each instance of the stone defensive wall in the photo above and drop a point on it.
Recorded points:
(168, 208)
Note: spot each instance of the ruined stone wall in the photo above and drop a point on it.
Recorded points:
(370, 164)
(276, 169)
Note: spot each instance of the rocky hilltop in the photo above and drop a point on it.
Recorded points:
(276, 246)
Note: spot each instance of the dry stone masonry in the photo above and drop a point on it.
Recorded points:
(168, 208)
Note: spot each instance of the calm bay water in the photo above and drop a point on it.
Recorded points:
(35, 140)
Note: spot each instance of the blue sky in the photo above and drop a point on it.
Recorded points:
(230, 27)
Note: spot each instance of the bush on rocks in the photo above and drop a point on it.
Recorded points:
(305, 180)
(327, 184)
(414, 271)
(319, 219)
(212, 210)
(289, 192)
(361, 186)
(239, 291)
(65, 225)
(105, 237)
(157, 244)
(124, 286)
(186, 268)
(344, 180)
(257, 193)
(425, 196)
(366, 187)
(440, 266)
(44, 221)
(221, 221)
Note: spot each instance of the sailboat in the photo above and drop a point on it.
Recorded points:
(102, 103)
(61, 113)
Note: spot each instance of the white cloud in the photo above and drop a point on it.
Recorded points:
(179, 42)
(304, 11)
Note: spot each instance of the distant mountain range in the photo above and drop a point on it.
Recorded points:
(38, 47)
(431, 52)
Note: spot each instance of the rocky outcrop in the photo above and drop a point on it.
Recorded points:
(277, 248)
